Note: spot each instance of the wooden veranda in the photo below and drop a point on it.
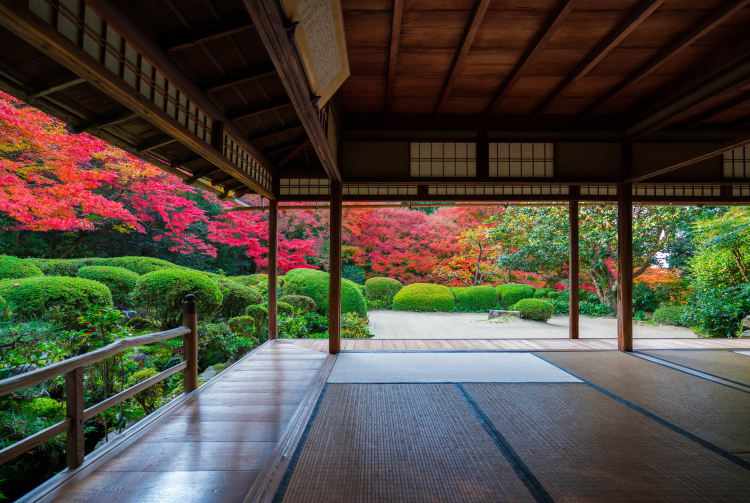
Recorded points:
(333, 101)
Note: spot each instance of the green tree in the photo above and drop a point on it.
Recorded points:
(538, 241)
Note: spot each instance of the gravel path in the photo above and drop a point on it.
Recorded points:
(406, 325)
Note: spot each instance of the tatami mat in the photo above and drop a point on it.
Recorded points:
(444, 367)
(725, 364)
(713, 412)
(399, 442)
(582, 445)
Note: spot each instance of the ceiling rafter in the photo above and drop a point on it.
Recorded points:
(236, 79)
(724, 107)
(294, 153)
(390, 81)
(277, 130)
(256, 110)
(704, 26)
(554, 21)
(202, 36)
(631, 21)
(480, 9)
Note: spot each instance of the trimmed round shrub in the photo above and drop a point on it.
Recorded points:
(3, 309)
(284, 309)
(236, 297)
(534, 309)
(259, 313)
(424, 297)
(140, 265)
(120, 281)
(511, 293)
(382, 289)
(473, 299)
(63, 266)
(160, 295)
(314, 284)
(301, 303)
(244, 326)
(544, 293)
(669, 315)
(14, 267)
(31, 298)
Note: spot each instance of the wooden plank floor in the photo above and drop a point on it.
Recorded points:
(519, 344)
(212, 447)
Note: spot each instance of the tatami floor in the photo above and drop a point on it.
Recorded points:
(290, 423)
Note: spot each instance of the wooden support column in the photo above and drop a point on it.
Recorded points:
(334, 304)
(190, 344)
(573, 270)
(625, 266)
(273, 258)
(74, 449)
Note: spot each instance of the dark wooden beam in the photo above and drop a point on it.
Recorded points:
(688, 162)
(625, 267)
(129, 29)
(250, 112)
(238, 78)
(718, 16)
(557, 17)
(105, 122)
(53, 89)
(282, 147)
(724, 107)
(270, 25)
(185, 160)
(284, 128)
(294, 153)
(573, 273)
(202, 36)
(201, 173)
(155, 143)
(273, 258)
(632, 20)
(480, 9)
(664, 116)
(334, 268)
(393, 45)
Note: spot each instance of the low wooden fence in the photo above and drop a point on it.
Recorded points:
(72, 368)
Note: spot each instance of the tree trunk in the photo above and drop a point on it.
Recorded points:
(70, 249)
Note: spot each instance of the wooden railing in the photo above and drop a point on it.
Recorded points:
(72, 368)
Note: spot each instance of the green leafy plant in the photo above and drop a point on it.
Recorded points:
(13, 267)
(544, 293)
(236, 297)
(300, 303)
(31, 298)
(284, 309)
(354, 327)
(474, 299)
(510, 293)
(244, 326)
(424, 297)
(259, 314)
(120, 281)
(160, 295)
(669, 315)
(535, 309)
(382, 289)
(314, 284)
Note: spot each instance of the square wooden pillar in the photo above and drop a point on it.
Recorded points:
(573, 273)
(334, 268)
(273, 260)
(625, 267)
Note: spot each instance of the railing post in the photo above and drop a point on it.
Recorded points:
(74, 449)
(190, 343)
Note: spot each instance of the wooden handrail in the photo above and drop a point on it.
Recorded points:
(73, 371)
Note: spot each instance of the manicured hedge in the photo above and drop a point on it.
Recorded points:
(259, 314)
(120, 281)
(31, 298)
(534, 309)
(544, 293)
(236, 297)
(160, 294)
(511, 293)
(243, 326)
(300, 303)
(284, 309)
(382, 289)
(3, 309)
(69, 267)
(669, 315)
(424, 297)
(141, 265)
(473, 299)
(14, 267)
(314, 284)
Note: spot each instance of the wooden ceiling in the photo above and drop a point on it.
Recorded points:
(595, 62)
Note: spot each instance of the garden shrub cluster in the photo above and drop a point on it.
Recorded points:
(510, 293)
(236, 297)
(314, 283)
(472, 299)
(45, 296)
(424, 297)
(161, 293)
(13, 267)
(300, 303)
(669, 315)
(119, 280)
(534, 309)
(382, 290)
(545, 293)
